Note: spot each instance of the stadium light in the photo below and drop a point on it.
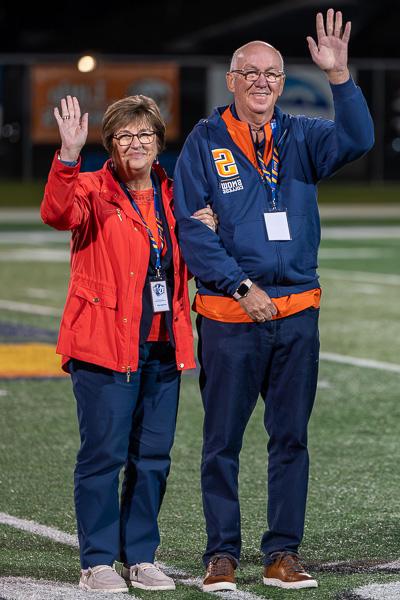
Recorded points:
(86, 64)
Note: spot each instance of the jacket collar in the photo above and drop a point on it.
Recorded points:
(111, 191)
(240, 133)
(214, 120)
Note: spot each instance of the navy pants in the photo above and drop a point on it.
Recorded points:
(279, 360)
(129, 424)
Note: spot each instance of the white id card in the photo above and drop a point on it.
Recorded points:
(159, 295)
(277, 226)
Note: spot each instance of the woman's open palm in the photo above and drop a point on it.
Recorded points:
(73, 127)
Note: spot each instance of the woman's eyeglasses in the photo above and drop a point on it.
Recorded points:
(126, 139)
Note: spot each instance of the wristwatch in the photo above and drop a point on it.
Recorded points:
(243, 289)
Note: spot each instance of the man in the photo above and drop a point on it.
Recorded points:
(258, 293)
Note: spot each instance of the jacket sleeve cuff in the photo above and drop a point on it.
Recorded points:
(232, 288)
(69, 163)
(343, 90)
(64, 164)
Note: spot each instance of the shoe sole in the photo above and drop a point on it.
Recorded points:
(219, 587)
(87, 588)
(159, 588)
(292, 585)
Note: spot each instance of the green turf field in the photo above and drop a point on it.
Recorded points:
(17, 193)
(353, 510)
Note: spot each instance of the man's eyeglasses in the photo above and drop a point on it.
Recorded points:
(126, 139)
(253, 74)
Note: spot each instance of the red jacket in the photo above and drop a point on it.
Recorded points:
(110, 251)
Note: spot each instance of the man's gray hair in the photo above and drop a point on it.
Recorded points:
(236, 55)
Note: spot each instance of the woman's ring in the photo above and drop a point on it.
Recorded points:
(66, 117)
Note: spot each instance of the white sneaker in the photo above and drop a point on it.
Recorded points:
(102, 578)
(147, 576)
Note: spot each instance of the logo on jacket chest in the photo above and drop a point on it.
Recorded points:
(227, 170)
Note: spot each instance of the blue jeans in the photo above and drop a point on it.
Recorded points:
(279, 360)
(129, 424)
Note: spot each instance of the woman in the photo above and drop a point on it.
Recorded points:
(125, 334)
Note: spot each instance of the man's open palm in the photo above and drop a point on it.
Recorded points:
(330, 51)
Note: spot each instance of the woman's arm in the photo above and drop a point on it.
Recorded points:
(65, 203)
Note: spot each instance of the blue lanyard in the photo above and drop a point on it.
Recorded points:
(270, 177)
(273, 175)
(157, 250)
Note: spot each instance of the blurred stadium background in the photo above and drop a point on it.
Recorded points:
(178, 53)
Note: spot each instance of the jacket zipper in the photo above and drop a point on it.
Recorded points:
(280, 259)
(278, 256)
(281, 138)
(128, 369)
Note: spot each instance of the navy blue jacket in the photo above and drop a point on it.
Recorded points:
(310, 149)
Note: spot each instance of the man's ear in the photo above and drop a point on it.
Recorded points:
(282, 85)
(230, 81)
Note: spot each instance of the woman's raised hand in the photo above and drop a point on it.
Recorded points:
(73, 128)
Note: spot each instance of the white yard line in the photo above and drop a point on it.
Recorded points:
(390, 566)
(323, 384)
(364, 211)
(360, 233)
(367, 363)
(353, 253)
(20, 215)
(24, 588)
(371, 289)
(379, 591)
(34, 237)
(47, 255)
(197, 582)
(360, 276)
(32, 527)
(34, 309)
(71, 540)
(43, 293)
(327, 210)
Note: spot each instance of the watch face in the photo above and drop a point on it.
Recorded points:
(243, 289)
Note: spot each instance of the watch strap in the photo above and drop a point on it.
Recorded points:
(243, 289)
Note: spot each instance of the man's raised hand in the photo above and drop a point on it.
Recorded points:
(331, 50)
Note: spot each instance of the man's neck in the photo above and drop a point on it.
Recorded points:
(256, 121)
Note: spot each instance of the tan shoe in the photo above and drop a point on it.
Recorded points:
(287, 572)
(102, 578)
(147, 576)
(220, 574)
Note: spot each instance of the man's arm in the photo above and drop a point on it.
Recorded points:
(202, 248)
(333, 144)
(331, 52)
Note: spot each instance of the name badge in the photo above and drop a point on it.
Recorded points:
(277, 226)
(159, 295)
